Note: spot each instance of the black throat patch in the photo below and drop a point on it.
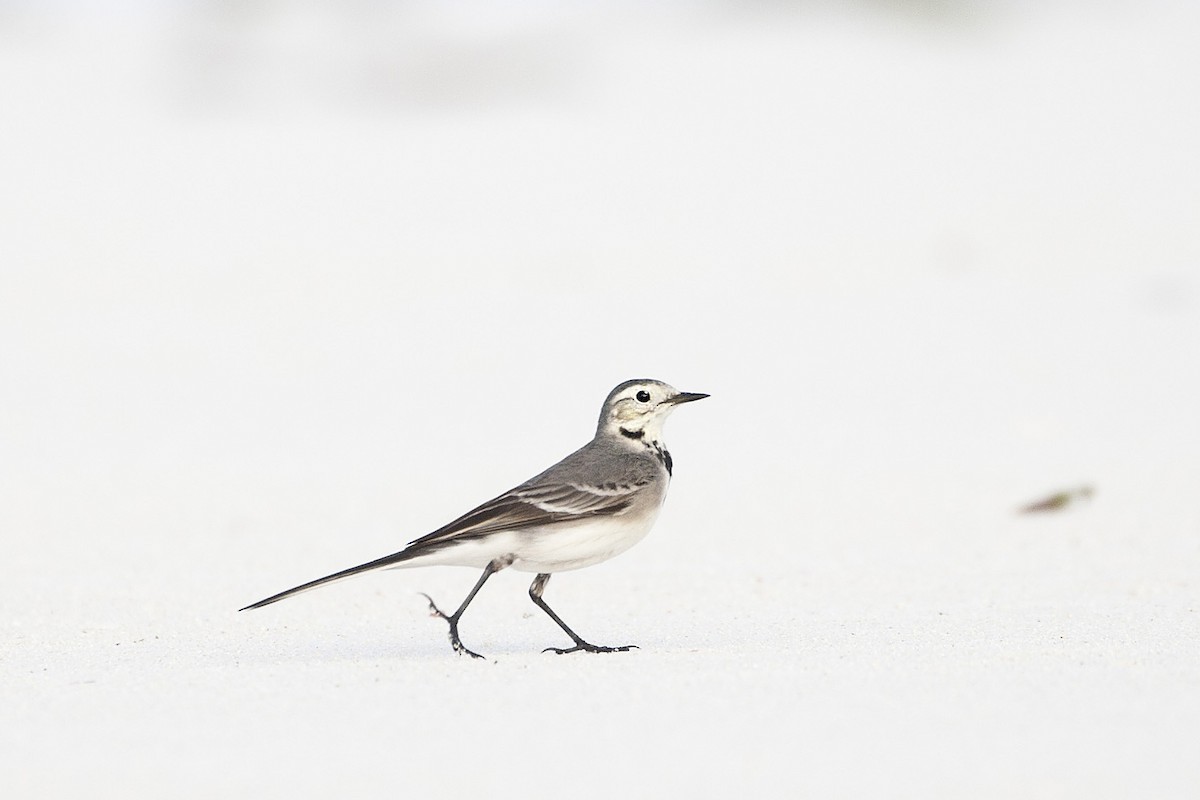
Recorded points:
(663, 455)
(659, 451)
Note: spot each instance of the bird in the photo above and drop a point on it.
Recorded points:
(592, 505)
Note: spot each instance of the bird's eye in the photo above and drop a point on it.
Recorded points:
(643, 396)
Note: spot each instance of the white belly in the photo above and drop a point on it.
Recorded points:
(570, 547)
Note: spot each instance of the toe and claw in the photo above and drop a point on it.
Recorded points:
(452, 619)
(590, 648)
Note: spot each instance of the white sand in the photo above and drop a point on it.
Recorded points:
(279, 295)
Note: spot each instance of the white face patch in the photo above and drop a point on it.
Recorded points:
(634, 419)
(629, 409)
(643, 418)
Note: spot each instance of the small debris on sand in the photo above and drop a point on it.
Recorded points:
(1059, 500)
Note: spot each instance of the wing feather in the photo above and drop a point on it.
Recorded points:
(537, 506)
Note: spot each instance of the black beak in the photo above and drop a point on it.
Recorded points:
(685, 397)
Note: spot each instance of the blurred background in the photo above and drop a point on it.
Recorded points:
(264, 246)
(286, 284)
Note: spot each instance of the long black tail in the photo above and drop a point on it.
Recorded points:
(379, 563)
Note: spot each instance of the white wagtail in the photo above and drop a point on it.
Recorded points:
(594, 504)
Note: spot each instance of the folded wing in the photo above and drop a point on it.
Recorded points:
(536, 506)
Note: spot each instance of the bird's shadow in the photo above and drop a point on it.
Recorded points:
(432, 649)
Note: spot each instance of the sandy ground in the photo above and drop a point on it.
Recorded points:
(257, 327)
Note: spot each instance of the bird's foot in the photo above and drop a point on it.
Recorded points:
(590, 648)
(455, 642)
(459, 647)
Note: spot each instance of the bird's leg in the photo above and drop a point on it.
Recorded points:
(535, 594)
(455, 642)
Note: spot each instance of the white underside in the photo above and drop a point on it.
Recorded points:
(557, 548)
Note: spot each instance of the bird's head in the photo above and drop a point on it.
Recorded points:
(637, 409)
